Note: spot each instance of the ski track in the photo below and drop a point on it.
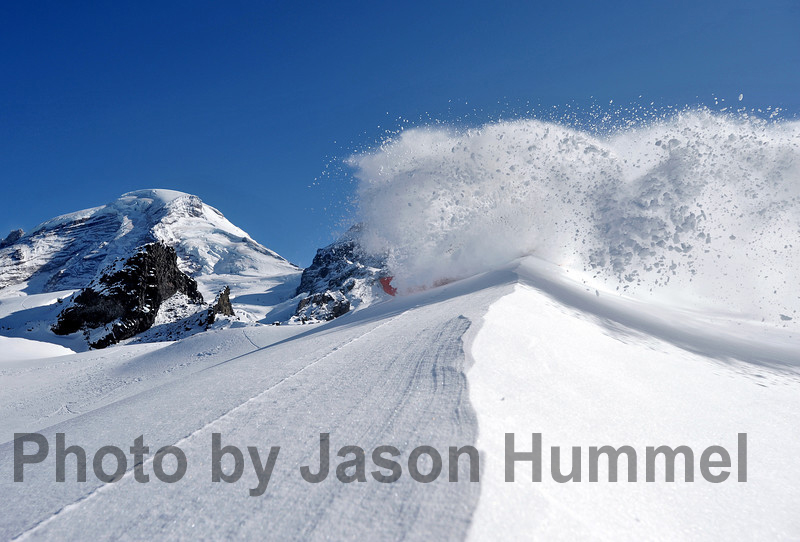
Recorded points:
(246, 336)
(108, 487)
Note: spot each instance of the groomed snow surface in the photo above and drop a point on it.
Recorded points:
(527, 348)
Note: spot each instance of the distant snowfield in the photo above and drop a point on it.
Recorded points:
(523, 349)
(16, 349)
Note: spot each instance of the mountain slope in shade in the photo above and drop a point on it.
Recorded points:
(67, 252)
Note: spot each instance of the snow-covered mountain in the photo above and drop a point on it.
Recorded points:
(67, 252)
(99, 253)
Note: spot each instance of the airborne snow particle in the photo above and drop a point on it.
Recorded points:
(625, 206)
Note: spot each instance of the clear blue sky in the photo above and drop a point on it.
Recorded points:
(244, 104)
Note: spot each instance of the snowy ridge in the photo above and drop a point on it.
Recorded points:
(582, 379)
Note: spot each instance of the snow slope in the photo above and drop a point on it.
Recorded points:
(340, 378)
(521, 349)
(15, 348)
(580, 378)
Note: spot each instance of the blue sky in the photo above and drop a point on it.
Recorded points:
(245, 104)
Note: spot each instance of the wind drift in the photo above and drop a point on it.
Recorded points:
(701, 209)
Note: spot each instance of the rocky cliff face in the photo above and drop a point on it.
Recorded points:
(222, 305)
(321, 307)
(125, 299)
(11, 238)
(342, 276)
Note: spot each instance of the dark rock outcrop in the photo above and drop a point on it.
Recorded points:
(338, 262)
(341, 276)
(222, 305)
(12, 238)
(125, 299)
(322, 307)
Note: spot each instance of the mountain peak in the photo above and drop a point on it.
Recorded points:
(68, 251)
(162, 195)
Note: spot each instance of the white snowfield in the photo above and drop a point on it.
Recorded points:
(17, 348)
(523, 349)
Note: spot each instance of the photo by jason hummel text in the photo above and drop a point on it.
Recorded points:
(424, 464)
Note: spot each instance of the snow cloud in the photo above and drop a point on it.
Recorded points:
(700, 209)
